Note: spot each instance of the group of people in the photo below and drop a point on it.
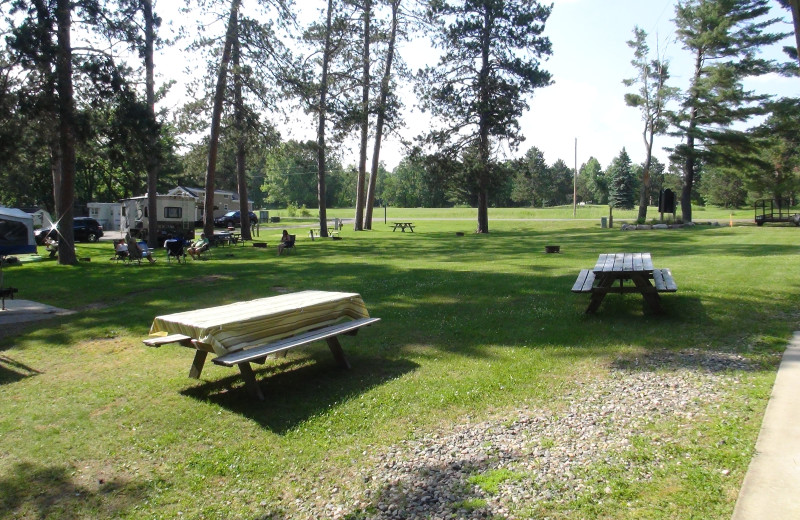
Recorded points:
(128, 247)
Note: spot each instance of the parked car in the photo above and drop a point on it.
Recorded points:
(84, 229)
(233, 219)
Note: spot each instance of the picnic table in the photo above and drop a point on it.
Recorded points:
(221, 238)
(403, 226)
(624, 267)
(315, 232)
(245, 332)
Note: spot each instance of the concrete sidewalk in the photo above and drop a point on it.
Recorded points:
(771, 487)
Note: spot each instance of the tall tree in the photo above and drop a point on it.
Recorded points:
(592, 177)
(363, 115)
(322, 111)
(776, 172)
(491, 52)
(794, 7)
(532, 181)
(621, 185)
(650, 98)
(151, 21)
(66, 131)
(724, 37)
(216, 116)
(383, 110)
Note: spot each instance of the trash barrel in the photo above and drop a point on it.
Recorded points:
(603, 222)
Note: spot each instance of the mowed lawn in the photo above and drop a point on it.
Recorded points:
(477, 327)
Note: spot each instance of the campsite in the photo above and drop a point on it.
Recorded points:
(484, 391)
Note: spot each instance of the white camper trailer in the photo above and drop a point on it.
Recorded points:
(175, 217)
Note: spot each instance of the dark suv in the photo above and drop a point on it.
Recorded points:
(84, 229)
(233, 219)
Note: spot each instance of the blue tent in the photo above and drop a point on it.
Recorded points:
(16, 232)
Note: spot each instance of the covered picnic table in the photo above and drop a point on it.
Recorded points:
(621, 267)
(247, 331)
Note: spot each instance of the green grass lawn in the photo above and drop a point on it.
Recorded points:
(94, 424)
(699, 213)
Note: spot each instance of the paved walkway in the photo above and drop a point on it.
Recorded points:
(771, 488)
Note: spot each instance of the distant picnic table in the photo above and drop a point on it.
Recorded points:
(403, 226)
(624, 267)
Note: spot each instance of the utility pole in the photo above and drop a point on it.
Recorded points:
(575, 183)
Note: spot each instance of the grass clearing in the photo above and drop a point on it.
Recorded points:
(94, 424)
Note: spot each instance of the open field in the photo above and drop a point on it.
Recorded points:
(594, 212)
(484, 392)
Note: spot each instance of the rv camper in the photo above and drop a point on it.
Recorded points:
(175, 217)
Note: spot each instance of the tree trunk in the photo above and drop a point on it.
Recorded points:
(66, 128)
(376, 152)
(153, 157)
(643, 196)
(483, 130)
(795, 5)
(216, 115)
(241, 152)
(321, 112)
(55, 170)
(689, 160)
(358, 225)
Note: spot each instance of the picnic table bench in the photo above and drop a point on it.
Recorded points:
(621, 267)
(247, 332)
(403, 226)
(315, 233)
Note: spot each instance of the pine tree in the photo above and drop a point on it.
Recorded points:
(491, 52)
(621, 185)
(724, 37)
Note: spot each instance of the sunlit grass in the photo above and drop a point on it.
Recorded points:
(94, 424)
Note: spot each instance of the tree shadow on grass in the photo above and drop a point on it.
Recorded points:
(300, 386)
(47, 492)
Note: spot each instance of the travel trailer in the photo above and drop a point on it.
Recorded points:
(108, 214)
(175, 217)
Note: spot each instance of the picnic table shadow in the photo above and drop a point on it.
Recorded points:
(298, 387)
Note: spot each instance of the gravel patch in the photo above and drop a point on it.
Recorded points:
(532, 455)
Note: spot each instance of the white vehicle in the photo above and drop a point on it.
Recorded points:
(175, 217)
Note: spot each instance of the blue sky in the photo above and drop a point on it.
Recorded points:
(589, 61)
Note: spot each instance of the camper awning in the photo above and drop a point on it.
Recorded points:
(16, 232)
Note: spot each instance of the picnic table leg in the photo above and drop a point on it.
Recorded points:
(250, 381)
(338, 353)
(197, 364)
(649, 293)
(597, 295)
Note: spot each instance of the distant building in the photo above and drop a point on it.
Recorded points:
(224, 201)
(108, 214)
(41, 218)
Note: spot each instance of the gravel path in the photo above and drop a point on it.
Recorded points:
(534, 455)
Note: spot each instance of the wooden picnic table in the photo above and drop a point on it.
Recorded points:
(621, 267)
(315, 232)
(244, 332)
(221, 238)
(403, 226)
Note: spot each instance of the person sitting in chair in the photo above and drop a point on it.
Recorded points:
(120, 250)
(198, 247)
(52, 246)
(286, 241)
(135, 252)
